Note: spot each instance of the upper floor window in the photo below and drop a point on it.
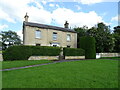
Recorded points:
(68, 37)
(38, 34)
(54, 36)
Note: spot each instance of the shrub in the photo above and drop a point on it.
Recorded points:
(73, 52)
(88, 44)
(24, 52)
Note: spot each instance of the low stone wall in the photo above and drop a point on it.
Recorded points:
(1, 57)
(43, 57)
(74, 57)
(109, 54)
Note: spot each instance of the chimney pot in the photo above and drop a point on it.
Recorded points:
(26, 17)
(66, 24)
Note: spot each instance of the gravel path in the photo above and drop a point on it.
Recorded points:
(37, 65)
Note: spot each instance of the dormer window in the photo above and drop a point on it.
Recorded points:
(37, 34)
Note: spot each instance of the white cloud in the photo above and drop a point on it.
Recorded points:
(57, 5)
(3, 27)
(78, 7)
(14, 11)
(19, 32)
(91, 18)
(90, 1)
(44, 2)
(115, 18)
(51, 5)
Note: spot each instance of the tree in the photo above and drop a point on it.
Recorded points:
(9, 38)
(116, 35)
(81, 31)
(103, 37)
(117, 29)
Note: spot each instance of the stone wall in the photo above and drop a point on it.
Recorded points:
(1, 57)
(74, 57)
(43, 57)
(109, 54)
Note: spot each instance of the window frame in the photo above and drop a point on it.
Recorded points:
(68, 37)
(54, 36)
(37, 32)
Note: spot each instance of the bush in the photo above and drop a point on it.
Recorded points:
(73, 52)
(24, 52)
(88, 44)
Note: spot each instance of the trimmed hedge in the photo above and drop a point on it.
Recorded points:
(24, 52)
(88, 44)
(73, 52)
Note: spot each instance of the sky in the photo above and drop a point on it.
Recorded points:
(55, 12)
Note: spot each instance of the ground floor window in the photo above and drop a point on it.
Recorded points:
(68, 46)
(38, 44)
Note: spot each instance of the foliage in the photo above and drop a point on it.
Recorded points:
(103, 37)
(9, 38)
(116, 36)
(76, 74)
(17, 53)
(81, 31)
(88, 44)
(24, 52)
(73, 52)
(117, 29)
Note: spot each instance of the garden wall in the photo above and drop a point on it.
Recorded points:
(43, 57)
(74, 57)
(109, 54)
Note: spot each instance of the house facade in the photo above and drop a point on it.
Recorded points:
(47, 35)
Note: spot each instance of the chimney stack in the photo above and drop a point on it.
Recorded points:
(66, 24)
(26, 17)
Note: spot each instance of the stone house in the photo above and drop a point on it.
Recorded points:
(47, 35)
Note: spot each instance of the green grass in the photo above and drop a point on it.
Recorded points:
(11, 64)
(77, 74)
(117, 58)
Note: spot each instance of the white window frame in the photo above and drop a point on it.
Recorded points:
(68, 37)
(54, 36)
(37, 34)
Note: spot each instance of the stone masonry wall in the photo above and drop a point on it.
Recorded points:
(43, 57)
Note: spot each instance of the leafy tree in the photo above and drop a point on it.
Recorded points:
(9, 38)
(104, 39)
(117, 29)
(81, 31)
(116, 35)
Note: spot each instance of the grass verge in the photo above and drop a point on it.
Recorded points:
(117, 58)
(76, 74)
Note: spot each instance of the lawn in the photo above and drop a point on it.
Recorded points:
(117, 58)
(11, 64)
(76, 74)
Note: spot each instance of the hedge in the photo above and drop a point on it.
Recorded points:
(24, 52)
(73, 52)
(88, 44)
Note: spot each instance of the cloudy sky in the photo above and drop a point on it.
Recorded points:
(56, 12)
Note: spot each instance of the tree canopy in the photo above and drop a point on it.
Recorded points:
(9, 38)
(105, 41)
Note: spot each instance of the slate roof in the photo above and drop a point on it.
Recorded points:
(47, 27)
